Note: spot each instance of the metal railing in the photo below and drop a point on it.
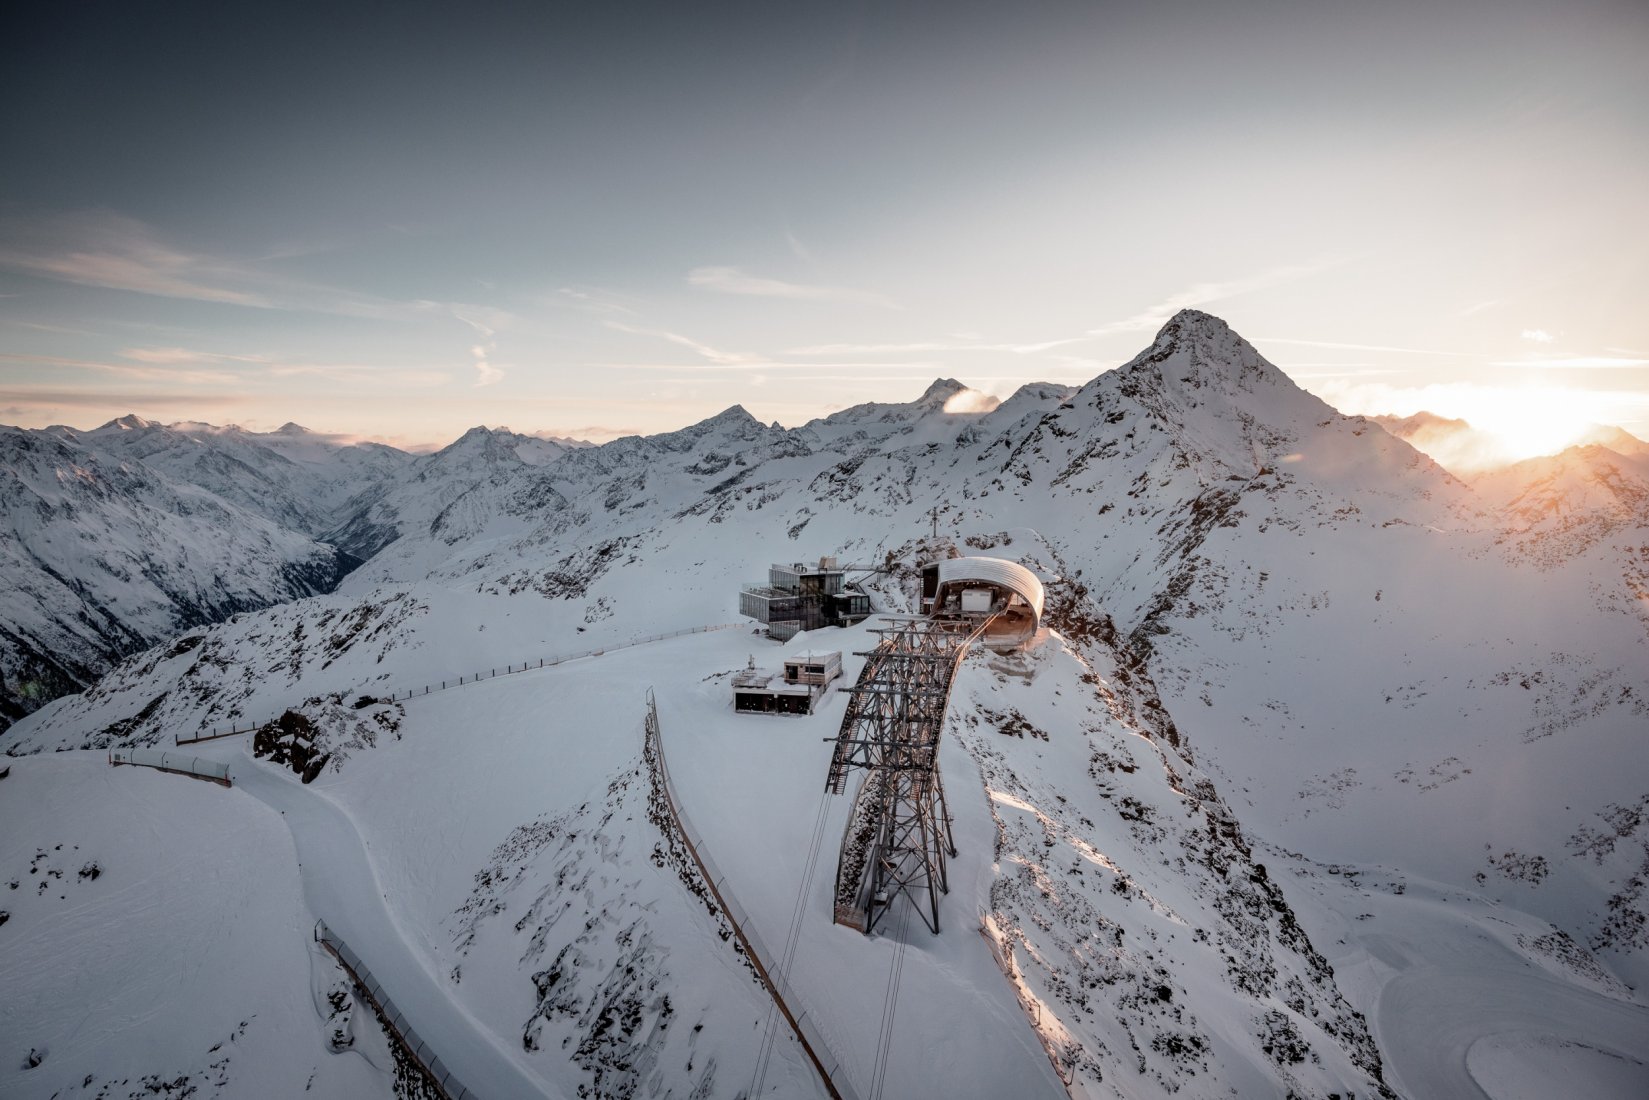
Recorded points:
(468, 680)
(784, 995)
(419, 1051)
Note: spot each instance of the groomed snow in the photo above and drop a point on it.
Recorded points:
(187, 954)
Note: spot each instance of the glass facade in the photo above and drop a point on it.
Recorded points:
(802, 597)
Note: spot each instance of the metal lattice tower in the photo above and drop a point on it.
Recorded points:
(898, 832)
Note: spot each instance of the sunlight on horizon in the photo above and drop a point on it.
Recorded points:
(1507, 423)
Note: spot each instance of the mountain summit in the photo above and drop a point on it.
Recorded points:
(1324, 769)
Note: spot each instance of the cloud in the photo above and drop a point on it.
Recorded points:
(710, 354)
(363, 373)
(106, 250)
(971, 401)
(1479, 307)
(1205, 293)
(1538, 335)
(113, 252)
(801, 251)
(1511, 421)
(591, 300)
(730, 280)
(127, 401)
(185, 355)
(483, 320)
(147, 373)
(1360, 347)
(1580, 362)
(934, 346)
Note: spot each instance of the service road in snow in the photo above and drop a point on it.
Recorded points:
(342, 888)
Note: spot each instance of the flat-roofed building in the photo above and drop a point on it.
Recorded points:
(796, 690)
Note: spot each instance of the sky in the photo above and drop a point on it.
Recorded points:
(400, 221)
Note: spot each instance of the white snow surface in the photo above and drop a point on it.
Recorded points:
(1328, 775)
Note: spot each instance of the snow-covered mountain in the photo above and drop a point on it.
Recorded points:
(1577, 497)
(420, 500)
(103, 557)
(300, 479)
(1323, 781)
(1616, 439)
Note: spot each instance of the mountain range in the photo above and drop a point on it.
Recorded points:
(1326, 779)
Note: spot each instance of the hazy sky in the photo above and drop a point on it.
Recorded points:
(599, 219)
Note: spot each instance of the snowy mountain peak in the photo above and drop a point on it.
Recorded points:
(290, 428)
(1215, 354)
(131, 422)
(734, 414)
(941, 391)
(476, 436)
(1197, 362)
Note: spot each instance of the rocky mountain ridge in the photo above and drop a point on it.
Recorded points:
(1278, 632)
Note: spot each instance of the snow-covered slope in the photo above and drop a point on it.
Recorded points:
(156, 943)
(103, 557)
(1312, 727)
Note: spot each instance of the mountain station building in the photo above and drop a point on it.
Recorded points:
(801, 597)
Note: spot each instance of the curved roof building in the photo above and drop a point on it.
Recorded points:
(986, 585)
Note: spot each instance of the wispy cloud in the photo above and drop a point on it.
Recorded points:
(36, 401)
(859, 369)
(1205, 293)
(106, 250)
(1579, 362)
(588, 431)
(592, 300)
(113, 252)
(925, 346)
(363, 373)
(204, 369)
(1479, 307)
(801, 251)
(482, 321)
(186, 355)
(704, 351)
(141, 372)
(731, 280)
(1537, 335)
(1357, 372)
(1360, 347)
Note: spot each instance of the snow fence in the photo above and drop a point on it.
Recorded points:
(172, 762)
(807, 1033)
(465, 679)
(450, 1086)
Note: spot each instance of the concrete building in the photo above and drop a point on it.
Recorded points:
(796, 690)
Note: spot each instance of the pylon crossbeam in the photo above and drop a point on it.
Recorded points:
(899, 834)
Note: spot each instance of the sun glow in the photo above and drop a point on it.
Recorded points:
(1508, 423)
(1524, 424)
